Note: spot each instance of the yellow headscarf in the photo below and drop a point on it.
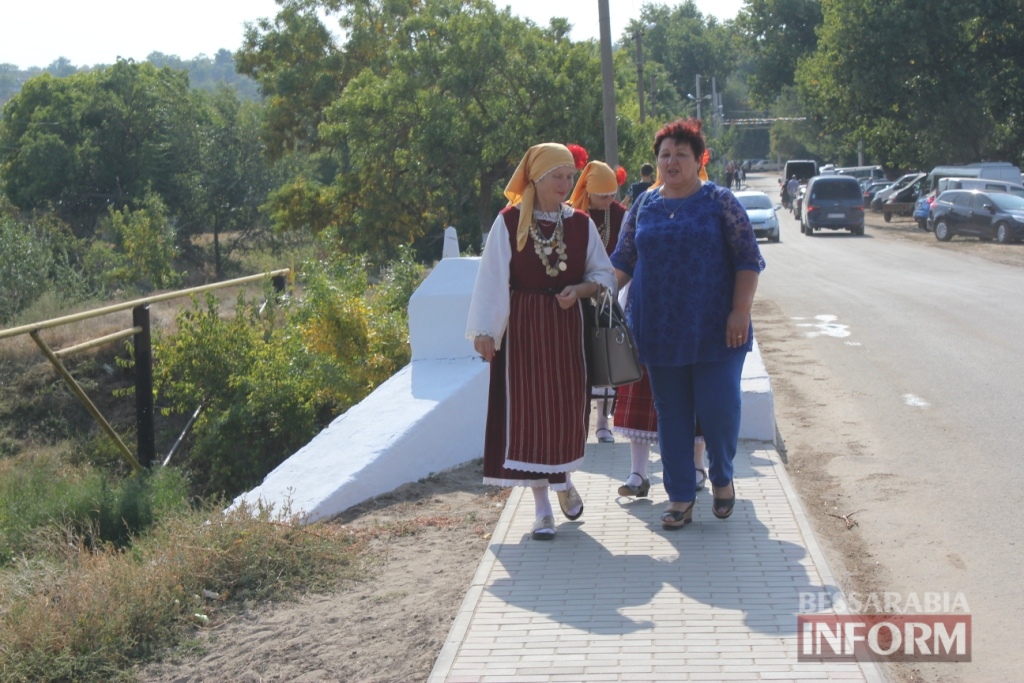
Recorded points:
(538, 160)
(597, 178)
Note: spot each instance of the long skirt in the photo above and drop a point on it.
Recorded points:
(538, 407)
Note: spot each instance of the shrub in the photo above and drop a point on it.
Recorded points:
(269, 381)
(43, 491)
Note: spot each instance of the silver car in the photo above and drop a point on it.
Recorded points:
(761, 212)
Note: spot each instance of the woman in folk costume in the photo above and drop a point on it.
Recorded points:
(637, 420)
(595, 194)
(525, 319)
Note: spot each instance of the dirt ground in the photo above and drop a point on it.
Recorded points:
(388, 628)
(391, 627)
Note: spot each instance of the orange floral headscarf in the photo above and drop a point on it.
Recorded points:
(597, 178)
(538, 161)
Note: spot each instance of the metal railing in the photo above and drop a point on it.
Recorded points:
(140, 332)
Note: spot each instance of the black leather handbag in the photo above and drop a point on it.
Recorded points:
(612, 358)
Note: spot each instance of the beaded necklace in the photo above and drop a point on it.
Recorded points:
(545, 246)
(606, 226)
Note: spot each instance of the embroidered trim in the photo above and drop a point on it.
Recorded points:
(638, 435)
(521, 466)
(531, 483)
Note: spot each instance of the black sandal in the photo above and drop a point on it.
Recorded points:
(677, 519)
(726, 504)
(640, 491)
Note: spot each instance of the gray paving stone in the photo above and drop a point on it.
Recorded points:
(616, 598)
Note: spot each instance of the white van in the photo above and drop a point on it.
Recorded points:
(979, 184)
(860, 172)
(990, 170)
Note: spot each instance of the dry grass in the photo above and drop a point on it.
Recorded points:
(86, 615)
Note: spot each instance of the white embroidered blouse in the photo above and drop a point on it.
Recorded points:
(489, 307)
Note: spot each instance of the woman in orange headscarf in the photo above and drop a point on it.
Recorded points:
(525, 319)
(595, 194)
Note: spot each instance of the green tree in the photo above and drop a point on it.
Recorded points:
(917, 80)
(236, 177)
(778, 33)
(440, 100)
(92, 140)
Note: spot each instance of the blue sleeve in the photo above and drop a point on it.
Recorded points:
(624, 256)
(739, 233)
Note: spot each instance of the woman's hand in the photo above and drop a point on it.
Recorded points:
(485, 347)
(568, 297)
(736, 329)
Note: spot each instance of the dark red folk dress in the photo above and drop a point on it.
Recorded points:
(538, 404)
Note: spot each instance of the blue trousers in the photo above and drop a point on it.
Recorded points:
(683, 394)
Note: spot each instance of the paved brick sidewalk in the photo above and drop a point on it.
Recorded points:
(616, 598)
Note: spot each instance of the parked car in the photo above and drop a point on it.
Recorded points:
(765, 165)
(899, 184)
(872, 187)
(986, 215)
(901, 202)
(762, 213)
(832, 202)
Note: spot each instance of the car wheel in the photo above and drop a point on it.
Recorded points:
(923, 224)
(809, 231)
(773, 238)
(942, 230)
(857, 231)
(887, 216)
(1003, 234)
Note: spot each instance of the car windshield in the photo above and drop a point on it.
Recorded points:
(755, 201)
(827, 190)
(1008, 202)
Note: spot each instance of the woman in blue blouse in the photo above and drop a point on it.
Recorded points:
(690, 251)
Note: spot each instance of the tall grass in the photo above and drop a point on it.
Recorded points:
(88, 614)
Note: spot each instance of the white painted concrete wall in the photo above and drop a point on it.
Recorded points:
(430, 416)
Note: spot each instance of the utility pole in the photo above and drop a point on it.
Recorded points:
(716, 118)
(638, 34)
(611, 135)
(698, 96)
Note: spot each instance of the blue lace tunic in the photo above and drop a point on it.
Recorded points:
(684, 273)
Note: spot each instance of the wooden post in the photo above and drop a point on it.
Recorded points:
(144, 386)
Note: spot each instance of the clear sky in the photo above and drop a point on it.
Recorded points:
(99, 31)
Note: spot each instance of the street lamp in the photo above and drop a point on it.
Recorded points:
(638, 35)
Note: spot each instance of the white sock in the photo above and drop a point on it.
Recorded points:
(602, 420)
(639, 454)
(699, 451)
(541, 502)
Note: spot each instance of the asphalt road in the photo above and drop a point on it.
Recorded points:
(899, 389)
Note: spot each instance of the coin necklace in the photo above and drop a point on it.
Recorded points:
(545, 247)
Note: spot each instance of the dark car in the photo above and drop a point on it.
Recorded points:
(872, 187)
(900, 183)
(986, 215)
(832, 202)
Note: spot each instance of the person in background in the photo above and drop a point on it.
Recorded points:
(690, 251)
(646, 180)
(594, 194)
(792, 185)
(525, 319)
